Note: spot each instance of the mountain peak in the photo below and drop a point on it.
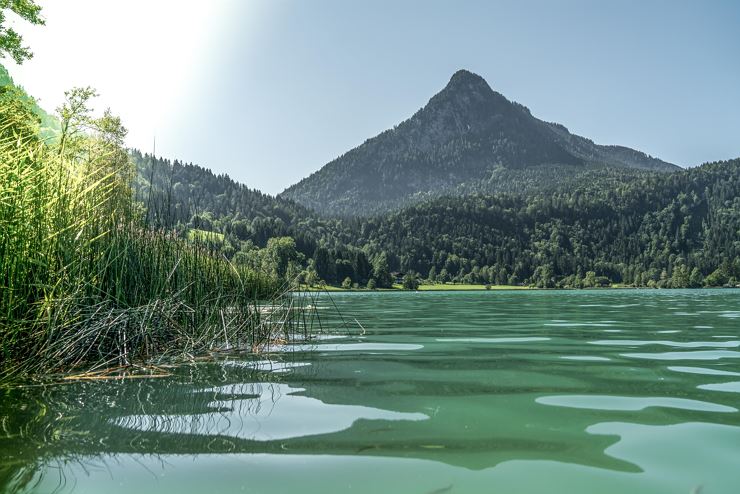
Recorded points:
(464, 78)
(460, 140)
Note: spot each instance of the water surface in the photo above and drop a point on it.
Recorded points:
(438, 392)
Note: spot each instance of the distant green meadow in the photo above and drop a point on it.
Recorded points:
(435, 287)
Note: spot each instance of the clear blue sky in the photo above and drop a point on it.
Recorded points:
(278, 88)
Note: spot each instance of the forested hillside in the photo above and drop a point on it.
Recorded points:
(467, 138)
(255, 229)
(669, 230)
(610, 225)
(47, 125)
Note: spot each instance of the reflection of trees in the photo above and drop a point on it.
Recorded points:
(44, 426)
(475, 385)
(200, 407)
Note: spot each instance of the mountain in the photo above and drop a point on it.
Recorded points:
(467, 137)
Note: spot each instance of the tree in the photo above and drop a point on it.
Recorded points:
(589, 281)
(371, 284)
(663, 281)
(432, 276)
(361, 266)
(325, 265)
(74, 114)
(311, 277)
(347, 283)
(695, 278)
(343, 269)
(279, 254)
(577, 281)
(17, 115)
(241, 229)
(543, 277)
(381, 272)
(411, 281)
(11, 43)
(717, 278)
(680, 277)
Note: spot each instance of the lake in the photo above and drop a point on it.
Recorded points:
(613, 391)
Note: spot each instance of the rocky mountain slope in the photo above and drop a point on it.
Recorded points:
(461, 140)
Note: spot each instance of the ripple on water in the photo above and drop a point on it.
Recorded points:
(632, 404)
(730, 387)
(678, 457)
(703, 370)
(579, 324)
(494, 340)
(730, 314)
(353, 347)
(272, 411)
(677, 344)
(697, 355)
(586, 358)
(273, 366)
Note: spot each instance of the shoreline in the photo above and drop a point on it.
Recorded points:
(449, 287)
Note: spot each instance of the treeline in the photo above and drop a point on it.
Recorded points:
(266, 233)
(666, 230)
(608, 225)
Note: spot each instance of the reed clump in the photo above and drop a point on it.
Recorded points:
(83, 281)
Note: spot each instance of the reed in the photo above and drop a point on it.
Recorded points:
(85, 284)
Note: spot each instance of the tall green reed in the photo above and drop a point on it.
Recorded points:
(84, 283)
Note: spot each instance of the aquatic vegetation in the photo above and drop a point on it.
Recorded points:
(84, 282)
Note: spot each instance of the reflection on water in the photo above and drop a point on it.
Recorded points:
(699, 355)
(731, 387)
(679, 344)
(442, 392)
(703, 370)
(261, 412)
(596, 402)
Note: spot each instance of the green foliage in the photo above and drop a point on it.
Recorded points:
(281, 257)
(653, 229)
(632, 227)
(371, 285)
(83, 280)
(204, 236)
(311, 278)
(410, 281)
(381, 271)
(17, 115)
(325, 265)
(347, 283)
(22, 113)
(607, 215)
(11, 43)
(718, 277)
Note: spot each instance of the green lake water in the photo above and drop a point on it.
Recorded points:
(615, 391)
